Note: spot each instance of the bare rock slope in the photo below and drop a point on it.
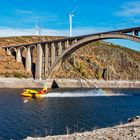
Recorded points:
(102, 60)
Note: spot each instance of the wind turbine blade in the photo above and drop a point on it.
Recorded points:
(74, 10)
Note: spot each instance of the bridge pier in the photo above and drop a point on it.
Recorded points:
(46, 60)
(75, 40)
(18, 56)
(60, 48)
(28, 64)
(8, 51)
(67, 44)
(135, 33)
(38, 69)
(52, 53)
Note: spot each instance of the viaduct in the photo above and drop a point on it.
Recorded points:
(51, 54)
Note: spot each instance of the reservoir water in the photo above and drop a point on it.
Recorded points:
(65, 111)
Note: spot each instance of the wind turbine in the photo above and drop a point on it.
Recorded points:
(38, 30)
(70, 20)
(71, 14)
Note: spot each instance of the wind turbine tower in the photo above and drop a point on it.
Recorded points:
(38, 30)
(70, 20)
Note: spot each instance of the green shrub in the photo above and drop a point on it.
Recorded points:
(7, 75)
(88, 60)
(19, 75)
(98, 74)
(84, 74)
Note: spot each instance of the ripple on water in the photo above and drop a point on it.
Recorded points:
(90, 108)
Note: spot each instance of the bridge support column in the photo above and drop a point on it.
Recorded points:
(60, 49)
(67, 44)
(75, 40)
(135, 33)
(38, 69)
(8, 51)
(18, 56)
(52, 53)
(28, 64)
(46, 60)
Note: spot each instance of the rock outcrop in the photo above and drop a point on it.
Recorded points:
(102, 60)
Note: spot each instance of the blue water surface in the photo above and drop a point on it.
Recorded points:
(77, 110)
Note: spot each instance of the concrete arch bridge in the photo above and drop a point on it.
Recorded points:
(51, 54)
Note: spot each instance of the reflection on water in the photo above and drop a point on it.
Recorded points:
(20, 117)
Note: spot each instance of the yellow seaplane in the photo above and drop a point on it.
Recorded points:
(33, 93)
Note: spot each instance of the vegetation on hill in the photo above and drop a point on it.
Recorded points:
(9, 67)
(11, 41)
(101, 60)
(98, 60)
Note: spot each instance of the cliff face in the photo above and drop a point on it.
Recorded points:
(102, 60)
(99, 60)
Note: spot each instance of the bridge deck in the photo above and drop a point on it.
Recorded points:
(127, 30)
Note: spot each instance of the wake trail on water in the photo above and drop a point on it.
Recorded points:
(91, 93)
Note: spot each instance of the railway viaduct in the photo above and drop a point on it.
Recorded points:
(51, 54)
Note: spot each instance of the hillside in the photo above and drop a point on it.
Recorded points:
(98, 60)
(102, 60)
(11, 41)
(9, 67)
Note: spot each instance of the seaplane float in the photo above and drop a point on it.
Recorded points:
(33, 93)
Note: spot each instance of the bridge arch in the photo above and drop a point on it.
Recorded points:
(33, 51)
(22, 48)
(32, 47)
(82, 42)
(13, 51)
(33, 54)
(23, 53)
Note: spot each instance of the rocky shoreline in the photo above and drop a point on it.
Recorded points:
(128, 131)
(65, 83)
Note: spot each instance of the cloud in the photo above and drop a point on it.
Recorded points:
(18, 11)
(5, 31)
(129, 9)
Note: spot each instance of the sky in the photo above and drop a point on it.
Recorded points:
(19, 17)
